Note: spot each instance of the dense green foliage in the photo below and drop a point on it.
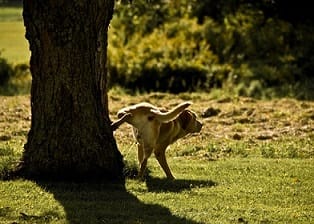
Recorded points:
(14, 78)
(5, 71)
(261, 49)
(197, 45)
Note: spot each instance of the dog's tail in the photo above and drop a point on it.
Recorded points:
(172, 114)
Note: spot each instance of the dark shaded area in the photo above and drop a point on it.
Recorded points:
(161, 185)
(13, 3)
(100, 202)
(291, 11)
(295, 11)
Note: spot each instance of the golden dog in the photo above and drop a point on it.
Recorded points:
(155, 129)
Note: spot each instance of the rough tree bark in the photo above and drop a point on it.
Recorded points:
(70, 133)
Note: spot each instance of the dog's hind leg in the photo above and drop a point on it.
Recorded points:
(115, 125)
(143, 163)
(161, 157)
(140, 153)
(172, 114)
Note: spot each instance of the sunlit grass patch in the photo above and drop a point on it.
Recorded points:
(26, 202)
(288, 148)
(13, 45)
(255, 190)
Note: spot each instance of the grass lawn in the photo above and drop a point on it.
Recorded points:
(252, 163)
(13, 45)
(229, 191)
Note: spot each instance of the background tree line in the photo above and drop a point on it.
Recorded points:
(185, 45)
(258, 48)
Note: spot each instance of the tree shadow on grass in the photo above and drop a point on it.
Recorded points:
(107, 203)
(161, 185)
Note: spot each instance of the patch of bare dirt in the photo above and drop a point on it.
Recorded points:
(260, 120)
(235, 120)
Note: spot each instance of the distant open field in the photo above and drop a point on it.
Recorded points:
(13, 45)
(251, 163)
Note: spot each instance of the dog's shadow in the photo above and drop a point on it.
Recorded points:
(163, 185)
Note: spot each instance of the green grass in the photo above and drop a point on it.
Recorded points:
(266, 176)
(256, 191)
(13, 45)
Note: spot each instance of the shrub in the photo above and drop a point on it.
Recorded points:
(6, 71)
(172, 58)
(181, 46)
(14, 79)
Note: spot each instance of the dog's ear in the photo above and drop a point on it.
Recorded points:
(185, 118)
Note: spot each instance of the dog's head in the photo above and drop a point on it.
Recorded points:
(189, 122)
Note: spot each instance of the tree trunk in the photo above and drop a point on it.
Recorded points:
(70, 133)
